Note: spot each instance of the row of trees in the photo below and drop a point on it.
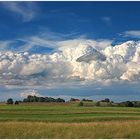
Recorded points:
(42, 99)
(130, 104)
(36, 99)
(10, 101)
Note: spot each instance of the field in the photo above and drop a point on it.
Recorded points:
(68, 120)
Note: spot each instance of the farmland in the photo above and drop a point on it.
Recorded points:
(68, 120)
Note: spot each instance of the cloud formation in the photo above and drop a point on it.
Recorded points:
(101, 62)
(132, 33)
(26, 10)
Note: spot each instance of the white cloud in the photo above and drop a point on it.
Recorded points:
(30, 92)
(44, 41)
(132, 33)
(27, 10)
(62, 67)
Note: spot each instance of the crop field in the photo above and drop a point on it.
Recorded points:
(68, 120)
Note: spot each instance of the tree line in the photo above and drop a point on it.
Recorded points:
(104, 102)
(31, 98)
(42, 99)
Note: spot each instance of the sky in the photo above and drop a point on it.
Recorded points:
(70, 49)
(92, 19)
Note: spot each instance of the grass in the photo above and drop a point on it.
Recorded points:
(66, 113)
(68, 121)
(111, 129)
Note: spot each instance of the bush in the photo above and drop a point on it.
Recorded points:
(81, 104)
(10, 101)
(97, 104)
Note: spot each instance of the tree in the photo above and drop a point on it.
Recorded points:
(84, 99)
(105, 100)
(60, 100)
(31, 98)
(72, 99)
(51, 99)
(47, 99)
(25, 100)
(41, 99)
(81, 104)
(16, 102)
(35, 99)
(10, 101)
(129, 104)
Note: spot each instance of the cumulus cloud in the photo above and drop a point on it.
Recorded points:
(78, 61)
(27, 10)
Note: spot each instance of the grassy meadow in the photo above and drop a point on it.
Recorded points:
(68, 120)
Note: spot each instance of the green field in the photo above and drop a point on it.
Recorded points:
(68, 120)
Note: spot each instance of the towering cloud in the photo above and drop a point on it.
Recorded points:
(73, 62)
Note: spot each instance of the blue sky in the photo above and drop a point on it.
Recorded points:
(55, 34)
(91, 19)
